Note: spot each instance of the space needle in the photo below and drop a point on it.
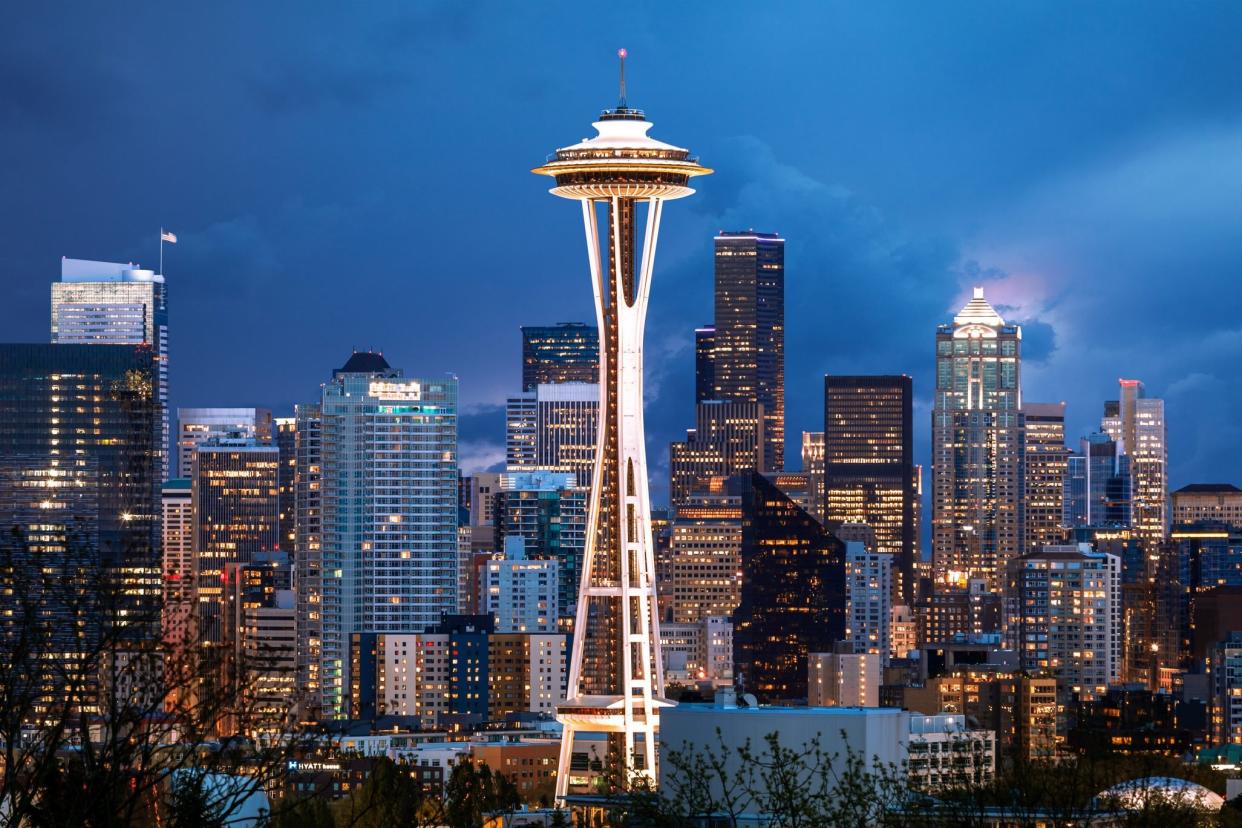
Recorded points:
(616, 673)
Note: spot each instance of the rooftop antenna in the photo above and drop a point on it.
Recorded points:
(621, 53)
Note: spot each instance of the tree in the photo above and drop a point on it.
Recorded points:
(474, 791)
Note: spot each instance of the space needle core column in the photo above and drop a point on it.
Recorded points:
(616, 674)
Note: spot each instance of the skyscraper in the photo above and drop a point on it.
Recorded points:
(728, 438)
(109, 303)
(1046, 463)
(868, 600)
(88, 417)
(308, 574)
(1065, 611)
(704, 564)
(813, 468)
(553, 427)
(615, 681)
(548, 510)
(749, 343)
(1147, 444)
(869, 474)
(178, 546)
(552, 354)
(195, 425)
(793, 591)
(386, 561)
(977, 447)
(236, 517)
(286, 444)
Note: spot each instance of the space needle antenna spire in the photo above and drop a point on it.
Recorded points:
(621, 53)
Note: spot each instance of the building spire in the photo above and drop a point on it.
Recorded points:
(621, 53)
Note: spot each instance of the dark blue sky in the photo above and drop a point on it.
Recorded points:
(347, 175)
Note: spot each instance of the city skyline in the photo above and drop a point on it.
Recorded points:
(274, 252)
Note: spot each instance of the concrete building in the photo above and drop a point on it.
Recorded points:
(177, 511)
(728, 438)
(1208, 501)
(197, 425)
(844, 679)
(521, 593)
(868, 600)
(945, 752)
(548, 510)
(1065, 616)
(702, 572)
(813, 468)
(1046, 464)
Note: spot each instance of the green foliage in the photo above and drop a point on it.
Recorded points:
(473, 790)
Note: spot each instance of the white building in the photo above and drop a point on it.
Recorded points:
(868, 600)
(844, 679)
(903, 632)
(945, 752)
(177, 506)
(197, 425)
(877, 735)
(1065, 616)
(521, 593)
(113, 303)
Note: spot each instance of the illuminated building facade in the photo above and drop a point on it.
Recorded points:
(1146, 442)
(616, 672)
(1208, 501)
(813, 468)
(260, 639)
(519, 592)
(236, 518)
(196, 425)
(844, 680)
(1225, 670)
(308, 552)
(387, 556)
(869, 472)
(87, 416)
(1047, 460)
(792, 600)
(553, 427)
(728, 439)
(1065, 616)
(1098, 486)
(977, 447)
(704, 563)
(553, 354)
(286, 433)
(749, 340)
(868, 600)
(109, 303)
(177, 511)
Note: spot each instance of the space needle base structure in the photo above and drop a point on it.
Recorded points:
(622, 177)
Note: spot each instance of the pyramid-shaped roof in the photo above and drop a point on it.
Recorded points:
(978, 312)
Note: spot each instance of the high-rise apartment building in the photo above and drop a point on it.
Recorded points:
(728, 438)
(553, 427)
(977, 447)
(1146, 442)
(1046, 463)
(792, 600)
(1208, 501)
(78, 419)
(196, 425)
(380, 551)
(308, 556)
(110, 303)
(521, 593)
(868, 600)
(704, 563)
(236, 497)
(553, 354)
(749, 344)
(1065, 616)
(869, 471)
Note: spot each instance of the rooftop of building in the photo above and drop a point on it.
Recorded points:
(1209, 488)
(978, 312)
(749, 234)
(365, 362)
(87, 270)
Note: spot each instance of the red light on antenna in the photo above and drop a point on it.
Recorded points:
(621, 53)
